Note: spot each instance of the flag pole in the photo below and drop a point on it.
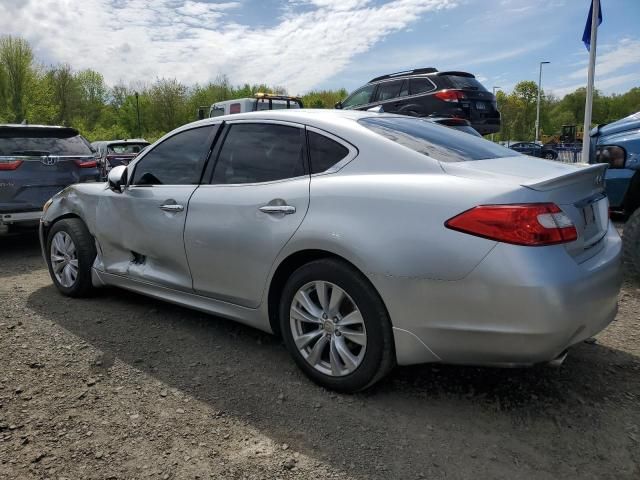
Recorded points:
(592, 68)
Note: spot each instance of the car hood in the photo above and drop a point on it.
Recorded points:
(631, 122)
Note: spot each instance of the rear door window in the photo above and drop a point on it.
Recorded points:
(324, 152)
(388, 90)
(420, 85)
(260, 152)
(443, 144)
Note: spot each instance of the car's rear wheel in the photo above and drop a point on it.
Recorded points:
(549, 155)
(631, 242)
(70, 253)
(335, 326)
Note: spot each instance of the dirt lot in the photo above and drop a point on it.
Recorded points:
(121, 387)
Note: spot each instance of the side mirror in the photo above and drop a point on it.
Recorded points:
(338, 105)
(117, 178)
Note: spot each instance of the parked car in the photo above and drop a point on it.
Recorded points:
(618, 146)
(112, 153)
(426, 91)
(37, 161)
(364, 239)
(260, 101)
(535, 150)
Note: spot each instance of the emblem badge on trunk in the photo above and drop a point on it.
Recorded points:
(49, 161)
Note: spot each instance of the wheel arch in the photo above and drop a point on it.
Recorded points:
(289, 265)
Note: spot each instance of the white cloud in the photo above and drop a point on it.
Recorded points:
(616, 64)
(194, 41)
(614, 58)
(604, 84)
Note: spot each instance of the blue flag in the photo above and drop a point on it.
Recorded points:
(586, 36)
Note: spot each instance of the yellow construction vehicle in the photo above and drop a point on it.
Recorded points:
(570, 134)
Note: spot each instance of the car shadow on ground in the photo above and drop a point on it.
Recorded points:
(418, 415)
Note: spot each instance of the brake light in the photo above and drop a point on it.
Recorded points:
(534, 224)
(10, 164)
(450, 95)
(86, 164)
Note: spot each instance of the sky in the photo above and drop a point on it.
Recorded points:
(315, 44)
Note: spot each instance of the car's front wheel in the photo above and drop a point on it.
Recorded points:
(549, 155)
(336, 327)
(70, 252)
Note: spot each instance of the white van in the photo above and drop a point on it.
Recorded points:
(261, 101)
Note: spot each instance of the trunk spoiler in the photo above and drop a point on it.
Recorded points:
(581, 173)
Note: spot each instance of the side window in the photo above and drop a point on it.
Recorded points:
(260, 152)
(324, 152)
(359, 97)
(420, 85)
(176, 161)
(404, 90)
(388, 90)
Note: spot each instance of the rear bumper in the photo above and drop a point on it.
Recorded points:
(20, 217)
(520, 306)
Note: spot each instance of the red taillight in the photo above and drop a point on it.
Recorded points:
(86, 164)
(534, 224)
(10, 164)
(450, 95)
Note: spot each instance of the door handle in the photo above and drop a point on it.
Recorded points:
(172, 207)
(285, 209)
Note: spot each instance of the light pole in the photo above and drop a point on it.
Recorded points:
(138, 115)
(494, 96)
(538, 106)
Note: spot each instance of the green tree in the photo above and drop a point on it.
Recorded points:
(16, 76)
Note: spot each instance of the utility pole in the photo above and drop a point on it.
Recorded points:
(538, 106)
(138, 115)
(494, 96)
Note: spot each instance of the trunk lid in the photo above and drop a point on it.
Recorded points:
(577, 189)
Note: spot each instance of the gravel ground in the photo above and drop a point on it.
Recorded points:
(121, 387)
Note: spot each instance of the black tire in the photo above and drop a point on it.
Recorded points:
(86, 254)
(631, 242)
(549, 155)
(379, 356)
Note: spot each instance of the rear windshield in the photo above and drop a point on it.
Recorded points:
(42, 143)
(467, 83)
(124, 148)
(436, 141)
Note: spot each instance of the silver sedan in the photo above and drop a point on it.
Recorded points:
(366, 240)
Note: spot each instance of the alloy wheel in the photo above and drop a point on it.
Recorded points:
(328, 328)
(64, 259)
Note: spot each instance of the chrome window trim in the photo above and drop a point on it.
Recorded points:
(353, 151)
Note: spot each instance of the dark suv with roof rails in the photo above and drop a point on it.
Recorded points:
(426, 91)
(36, 162)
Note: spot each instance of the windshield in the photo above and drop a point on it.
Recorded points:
(466, 83)
(441, 143)
(276, 104)
(38, 144)
(126, 148)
